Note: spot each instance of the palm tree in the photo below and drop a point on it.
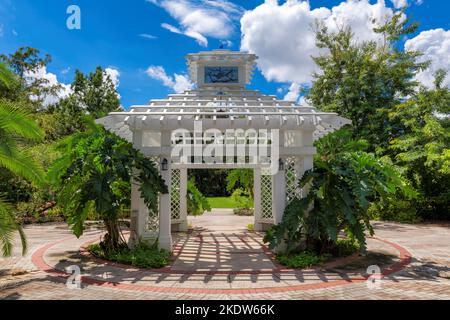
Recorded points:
(15, 125)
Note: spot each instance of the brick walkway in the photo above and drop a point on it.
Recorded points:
(219, 263)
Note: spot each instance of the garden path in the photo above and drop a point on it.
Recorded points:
(210, 264)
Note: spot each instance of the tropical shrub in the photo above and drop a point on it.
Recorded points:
(142, 255)
(305, 259)
(95, 173)
(394, 208)
(242, 199)
(197, 203)
(344, 182)
(301, 260)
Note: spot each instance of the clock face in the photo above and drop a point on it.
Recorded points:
(221, 75)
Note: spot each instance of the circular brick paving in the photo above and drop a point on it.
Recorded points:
(54, 257)
(426, 277)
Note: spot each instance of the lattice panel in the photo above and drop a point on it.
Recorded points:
(153, 220)
(175, 209)
(292, 188)
(266, 196)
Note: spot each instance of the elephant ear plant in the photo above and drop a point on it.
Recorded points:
(95, 174)
(344, 181)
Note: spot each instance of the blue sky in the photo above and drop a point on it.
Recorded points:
(112, 32)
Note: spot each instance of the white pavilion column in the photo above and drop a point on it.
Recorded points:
(165, 232)
(257, 199)
(139, 211)
(183, 227)
(278, 195)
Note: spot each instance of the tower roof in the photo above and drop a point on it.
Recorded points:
(221, 57)
(222, 105)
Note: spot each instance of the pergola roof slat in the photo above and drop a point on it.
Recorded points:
(199, 112)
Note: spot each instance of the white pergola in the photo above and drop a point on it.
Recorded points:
(221, 114)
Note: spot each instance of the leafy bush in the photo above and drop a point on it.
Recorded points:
(423, 148)
(304, 259)
(143, 255)
(301, 260)
(394, 209)
(344, 247)
(197, 203)
(242, 199)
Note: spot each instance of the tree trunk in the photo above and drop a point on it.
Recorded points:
(113, 239)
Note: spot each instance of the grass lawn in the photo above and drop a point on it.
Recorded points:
(222, 202)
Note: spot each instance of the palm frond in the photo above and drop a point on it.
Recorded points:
(7, 78)
(8, 226)
(14, 120)
(21, 163)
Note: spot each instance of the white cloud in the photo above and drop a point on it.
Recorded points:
(50, 80)
(147, 36)
(114, 75)
(294, 92)
(2, 30)
(200, 19)
(178, 83)
(182, 83)
(400, 3)
(65, 71)
(14, 33)
(283, 38)
(226, 43)
(435, 45)
(201, 40)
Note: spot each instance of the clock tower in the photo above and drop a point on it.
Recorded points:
(221, 69)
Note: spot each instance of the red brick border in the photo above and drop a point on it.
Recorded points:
(38, 260)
